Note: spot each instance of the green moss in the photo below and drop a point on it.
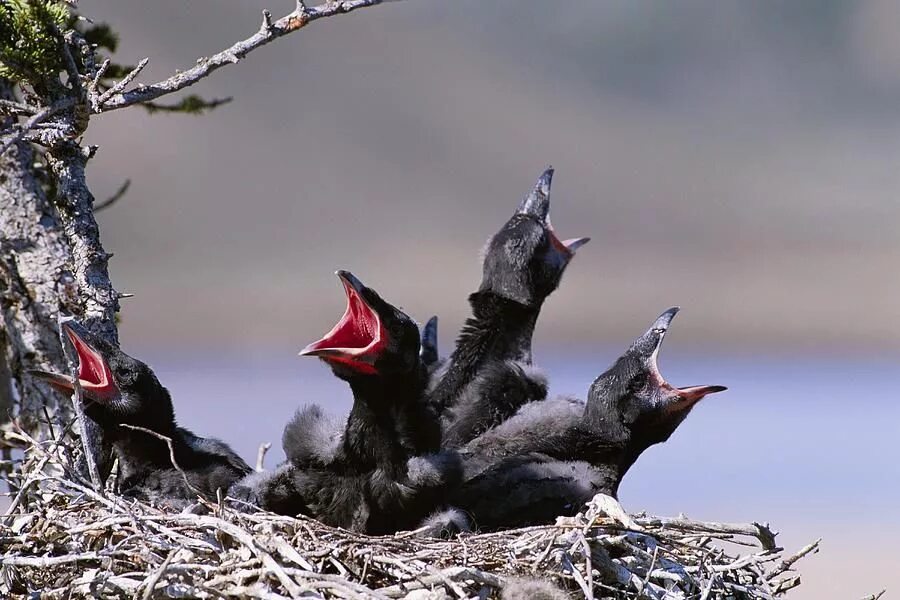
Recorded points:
(29, 42)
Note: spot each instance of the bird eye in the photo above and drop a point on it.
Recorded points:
(660, 331)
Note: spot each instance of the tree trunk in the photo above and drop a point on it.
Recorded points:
(36, 283)
(51, 264)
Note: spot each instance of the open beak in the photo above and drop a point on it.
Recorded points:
(537, 204)
(358, 337)
(685, 398)
(94, 374)
(677, 399)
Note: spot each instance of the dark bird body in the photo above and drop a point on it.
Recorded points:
(134, 411)
(489, 376)
(554, 455)
(377, 472)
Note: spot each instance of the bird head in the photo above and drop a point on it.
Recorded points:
(117, 388)
(633, 394)
(525, 260)
(372, 338)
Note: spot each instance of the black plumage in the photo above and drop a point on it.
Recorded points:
(379, 471)
(554, 455)
(522, 266)
(132, 408)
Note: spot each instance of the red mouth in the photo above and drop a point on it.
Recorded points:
(358, 338)
(682, 398)
(94, 375)
(566, 247)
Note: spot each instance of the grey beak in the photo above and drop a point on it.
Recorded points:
(663, 321)
(351, 280)
(429, 349)
(537, 202)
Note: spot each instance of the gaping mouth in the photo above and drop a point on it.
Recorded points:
(94, 375)
(677, 399)
(537, 204)
(358, 338)
(567, 247)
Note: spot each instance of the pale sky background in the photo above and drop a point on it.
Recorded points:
(739, 159)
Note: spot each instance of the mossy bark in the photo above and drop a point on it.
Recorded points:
(51, 264)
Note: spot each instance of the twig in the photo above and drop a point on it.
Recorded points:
(16, 108)
(168, 442)
(261, 456)
(20, 130)
(156, 576)
(760, 531)
(78, 403)
(116, 97)
(113, 199)
(789, 561)
(120, 85)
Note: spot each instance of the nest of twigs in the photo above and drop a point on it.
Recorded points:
(61, 539)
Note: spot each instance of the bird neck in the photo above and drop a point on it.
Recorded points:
(499, 329)
(389, 421)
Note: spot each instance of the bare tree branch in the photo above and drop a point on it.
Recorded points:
(18, 132)
(123, 189)
(116, 98)
(10, 107)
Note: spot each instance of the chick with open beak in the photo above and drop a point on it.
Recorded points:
(556, 454)
(135, 413)
(375, 348)
(489, 375)
(635, 397)
(367, 474)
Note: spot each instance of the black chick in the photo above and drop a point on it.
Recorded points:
(554, 455)
(121, 394)
(367, 475)
(522, 266)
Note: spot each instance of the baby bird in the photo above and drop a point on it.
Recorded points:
(377, 473)
(554, 455)
(135, 413)
(489, 376)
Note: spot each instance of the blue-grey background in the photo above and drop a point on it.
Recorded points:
(738, 159)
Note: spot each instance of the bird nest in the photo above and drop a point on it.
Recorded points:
(63, 539)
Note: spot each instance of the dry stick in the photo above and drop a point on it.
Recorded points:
(588, 568)
(168, 442)
(116, 97)
(261, 456)
(44, 114)
(789, 561)
(16, 108)
(120, 85)
(760, 531)
(569, 566)
(78, 403)
(650, 570)
(154, 578)
(249, 541)
(35, 476)
(123, 189)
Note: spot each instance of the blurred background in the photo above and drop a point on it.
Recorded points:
(737, 159)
